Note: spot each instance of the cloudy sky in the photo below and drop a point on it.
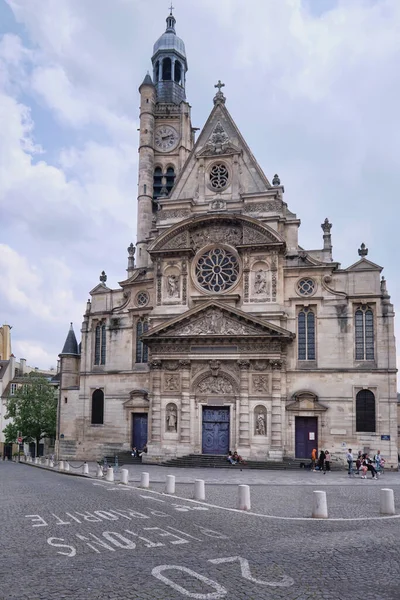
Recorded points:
(314, 86)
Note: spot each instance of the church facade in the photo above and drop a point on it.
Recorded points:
(225, 334)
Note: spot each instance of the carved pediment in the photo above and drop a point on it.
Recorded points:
(236, 230)
(213, 319)
(137, 399)
(305, 402)
(364, 265)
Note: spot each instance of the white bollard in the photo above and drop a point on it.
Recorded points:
(124, 476)
(199, 489)
(85, 469)
(61, 465)
(387, 502)
(320, 506)
(66, 466)
(51, 464)
(145, 480)
(46, 462)
(170, 487)
(244, 502)
(110, 474)
(36, 460)
(99, 471)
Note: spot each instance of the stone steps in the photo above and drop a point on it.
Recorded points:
(220, 462)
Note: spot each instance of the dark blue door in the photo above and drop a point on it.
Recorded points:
(215, 430)
(306, 436)
(139, 430)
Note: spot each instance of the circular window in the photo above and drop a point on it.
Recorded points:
(217, 270)
(305, 287)
(142, 299)
(219, 176)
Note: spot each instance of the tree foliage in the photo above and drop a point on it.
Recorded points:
(33, 410)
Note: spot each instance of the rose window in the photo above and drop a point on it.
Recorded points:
(305, 287)
(142, 299)
(219, 176)
(217, 270)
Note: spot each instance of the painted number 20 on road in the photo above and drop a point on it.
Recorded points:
(219, 591)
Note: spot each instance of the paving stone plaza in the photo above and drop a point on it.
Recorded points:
(83, 538)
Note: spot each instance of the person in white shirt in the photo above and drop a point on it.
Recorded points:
(349, 458)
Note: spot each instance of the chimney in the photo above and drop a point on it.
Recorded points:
(22, 366)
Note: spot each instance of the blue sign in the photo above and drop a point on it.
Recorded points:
(385, 438)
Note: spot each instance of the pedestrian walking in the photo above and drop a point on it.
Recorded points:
(358, 462)
(327, 461)
(379, 462)
(349, 458)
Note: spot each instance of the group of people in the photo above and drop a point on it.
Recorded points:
(235, 458)
(323, 461)
(364, 464)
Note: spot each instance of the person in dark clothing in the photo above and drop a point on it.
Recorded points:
(321, 460)
(327, 461)
(367, 462)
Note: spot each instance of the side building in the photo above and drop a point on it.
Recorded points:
(225, 334)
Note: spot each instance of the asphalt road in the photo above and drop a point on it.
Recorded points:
(76, 538)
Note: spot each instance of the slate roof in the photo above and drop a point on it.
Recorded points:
(71, 344)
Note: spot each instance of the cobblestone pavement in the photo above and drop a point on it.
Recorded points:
(78, 538)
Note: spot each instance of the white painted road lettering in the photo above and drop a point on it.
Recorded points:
(245, 568)
(37, 520)
(178, 540)
(219, 592)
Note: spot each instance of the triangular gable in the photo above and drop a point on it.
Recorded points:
(220, 137)
(101, 288)
(364, 265)
(214, 319)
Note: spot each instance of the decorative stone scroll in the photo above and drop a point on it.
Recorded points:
(259, 207)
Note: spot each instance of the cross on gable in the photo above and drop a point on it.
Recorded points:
(219, 85)
(171, 8)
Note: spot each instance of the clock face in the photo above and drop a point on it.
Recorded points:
(166, 138)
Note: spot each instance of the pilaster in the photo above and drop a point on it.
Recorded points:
(184, 430)
(244, 439)
(155, 413)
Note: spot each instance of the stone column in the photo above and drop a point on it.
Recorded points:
(243, 414)
(155, 366)
(184, 428)
(276, 451)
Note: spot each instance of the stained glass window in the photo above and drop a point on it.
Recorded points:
(364, 333)
(305, 287)
(306, 334)
(98, 407)
(100, 345)
(217, 270)
(142, 351)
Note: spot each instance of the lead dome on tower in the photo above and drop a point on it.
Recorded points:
(169, 40)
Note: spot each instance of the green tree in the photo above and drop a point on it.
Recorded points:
(33, 409)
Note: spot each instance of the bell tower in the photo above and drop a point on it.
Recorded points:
(166, 134)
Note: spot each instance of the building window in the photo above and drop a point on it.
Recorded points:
(142, 352)
(219, 176)
(170, 177)
(157, 182)
(306, 334)
(98, 407)
(142, 298)
(364, 331)
(178, 72)
(100, 345)
(217, 270)
(167, 69)
(365, 411)
(13, 389)
(306, 287)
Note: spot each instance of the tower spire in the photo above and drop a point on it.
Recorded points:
(171, 21)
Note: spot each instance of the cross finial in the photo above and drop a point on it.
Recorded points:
(171, 8)
(219, 85)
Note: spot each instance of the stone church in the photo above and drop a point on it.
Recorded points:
(225, 333)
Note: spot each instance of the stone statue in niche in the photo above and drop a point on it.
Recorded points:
(260, 383)
(173, 286)
(172, 418)
(215, 385)
(261, 428)
(260, 282)
(172, 383)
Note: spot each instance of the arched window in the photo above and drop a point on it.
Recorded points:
(170, 176)
(364, 332)
(157, 182)
(167, 69)
(98, 407)
(365, 411)
(306, 334)
(178, 72)
(100, 345)
(142, 352)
